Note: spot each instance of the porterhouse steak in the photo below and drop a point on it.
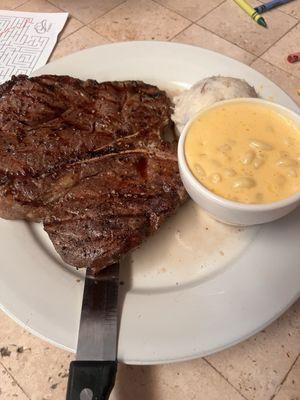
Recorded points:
(90, 160)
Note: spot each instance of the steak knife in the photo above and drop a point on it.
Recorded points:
(92, 375)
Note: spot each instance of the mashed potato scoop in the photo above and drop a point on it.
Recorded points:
(205, 93)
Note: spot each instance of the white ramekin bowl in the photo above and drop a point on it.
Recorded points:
(228, 211)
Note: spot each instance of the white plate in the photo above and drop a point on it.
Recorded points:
(196, 286)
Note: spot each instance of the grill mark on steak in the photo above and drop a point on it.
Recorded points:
(89, 160)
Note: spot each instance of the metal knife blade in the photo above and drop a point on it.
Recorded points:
(97, 339)
(92, 375)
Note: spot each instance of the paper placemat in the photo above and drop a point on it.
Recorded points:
(27, 40)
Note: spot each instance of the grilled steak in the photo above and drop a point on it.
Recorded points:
(89, 160)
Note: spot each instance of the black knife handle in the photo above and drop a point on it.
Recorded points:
(91, 380)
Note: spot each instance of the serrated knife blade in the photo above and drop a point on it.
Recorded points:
(92, 375)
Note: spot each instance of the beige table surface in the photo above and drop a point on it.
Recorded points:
(267, 366)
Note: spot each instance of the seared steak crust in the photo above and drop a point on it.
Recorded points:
(88, 159)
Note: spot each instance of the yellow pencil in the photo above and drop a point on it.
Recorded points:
(298, 91)
(251, 12)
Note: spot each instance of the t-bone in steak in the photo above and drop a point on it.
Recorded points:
(90, 160)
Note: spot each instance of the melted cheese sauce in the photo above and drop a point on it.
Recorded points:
(245, 152)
